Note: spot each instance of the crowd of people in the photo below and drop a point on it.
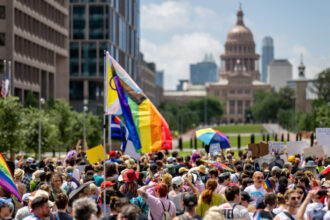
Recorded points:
(166, 185)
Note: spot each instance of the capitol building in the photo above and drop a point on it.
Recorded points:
(239, 76)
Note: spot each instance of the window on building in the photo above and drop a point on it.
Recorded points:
(96, 23)
(247, 91)
(232, 107)
(95, 90)
(74, 59)
(240, 91)
(88, 59)
(79, 22)
(76, 90)
(2, 12)
(240, 107)
(232, 91)
(2, 39)
(247, 104)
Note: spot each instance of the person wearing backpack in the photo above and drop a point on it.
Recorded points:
(291, 202)
(318, 213)
(160, 208)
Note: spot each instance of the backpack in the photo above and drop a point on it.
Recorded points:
(166, 213)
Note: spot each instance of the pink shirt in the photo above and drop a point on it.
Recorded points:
(156, 207)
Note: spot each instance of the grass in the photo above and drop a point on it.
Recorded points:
(238, 129)
(245, 140)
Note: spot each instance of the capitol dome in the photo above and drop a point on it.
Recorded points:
(240, 32)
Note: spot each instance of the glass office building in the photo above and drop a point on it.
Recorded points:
(95, 26)
(267, 55)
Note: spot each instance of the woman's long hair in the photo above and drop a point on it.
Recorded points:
(211, 185)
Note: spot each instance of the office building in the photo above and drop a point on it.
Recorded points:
(34, 37)
(95, 26)
(267, 55)
(160, 78)
(147, 80)
(205, 71)
(279, 72)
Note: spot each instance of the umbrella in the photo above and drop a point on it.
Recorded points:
(218, 164)
(73, 195)
(210, 136)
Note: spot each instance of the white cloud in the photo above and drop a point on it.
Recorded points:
(176, 55)
(173, 16)
(314, 64)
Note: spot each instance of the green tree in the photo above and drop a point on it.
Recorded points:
(31, 100)
(10, 124)
(322, 85)
(49, 131)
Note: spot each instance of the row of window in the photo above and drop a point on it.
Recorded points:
(236, 107)
(240, 49)
(86, 59)
(33, 51)
(103, 24)
(47, 10)
(26, 73)
(235, 64)
(95, 90)
(35, 27)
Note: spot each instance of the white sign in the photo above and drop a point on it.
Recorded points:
(130, 150)
(214, 148)
(275, 146)
(314, 151)
(323, 138)
(296, 147)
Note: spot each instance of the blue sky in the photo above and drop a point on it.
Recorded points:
(176, 33)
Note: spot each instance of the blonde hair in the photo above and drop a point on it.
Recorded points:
(214, 213)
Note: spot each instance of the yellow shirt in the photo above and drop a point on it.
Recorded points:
(217, 200)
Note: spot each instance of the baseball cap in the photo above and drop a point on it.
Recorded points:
(30, 160)
(182, 170)
(177, 180)
(246, 196)
(189, 199)
(4, 201)
(25, 197)
(326, 170)
(170, 159)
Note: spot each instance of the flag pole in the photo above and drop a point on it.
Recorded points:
(9, 77)
(4, 73)
(105, 96)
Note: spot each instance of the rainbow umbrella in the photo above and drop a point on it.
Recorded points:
(211, 136)
(218, 164)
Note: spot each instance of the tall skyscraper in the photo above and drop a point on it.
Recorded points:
(279, 72)
(160, 78)
(95, 26)
(205, 71)
(34, 37)
(267, 56)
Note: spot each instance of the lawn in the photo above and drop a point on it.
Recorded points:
(244, 128)
(245, 140)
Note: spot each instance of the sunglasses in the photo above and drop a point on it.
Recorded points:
(300, 192)
(295, 198)
(259, 178)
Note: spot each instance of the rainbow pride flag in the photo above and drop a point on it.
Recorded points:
(266, 183)
(147, 128)
(218, 164)
(6, 178)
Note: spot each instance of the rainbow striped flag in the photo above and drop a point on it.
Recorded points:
(147, 128)
(266, 183)
(6, 178)
(218, 164)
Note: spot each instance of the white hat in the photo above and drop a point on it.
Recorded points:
(177, 180)
(30, 160)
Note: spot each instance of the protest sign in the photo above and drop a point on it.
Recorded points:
(296, 147)
(130, 150)
(276, 147)
(214, 149)
(323, 138)
(95, 154)
(258, 150)
(314, 151)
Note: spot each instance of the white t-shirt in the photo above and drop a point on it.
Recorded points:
(255, 193)
(327, 216)
(76, 174)
(234, 177)
(234, 211)
(283, 216)
(312, 209)
(278, 210)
